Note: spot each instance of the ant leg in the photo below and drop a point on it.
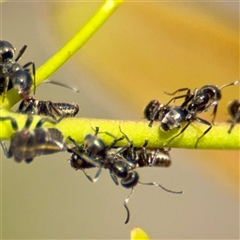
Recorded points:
(96, 177)
(6, 152)
(96, 130)
(125, 205)
(26, 106)
(28, 122)
(12, 120)
(179, 90)
(233, 123)
(114, 142)
(83, 155)
(206, 131)
(50, 106)
(43, 120)
(5, 88)
(234, 112)
(214, 112)
(188, 98)
(125, 136)
(113, 176)
(21, 52)
(153, 118)
(33, 72)
(145, 143)
(74, 142)
(144, 149)
(158, 185)
(131, 142)
(183, 129)
(237, 118)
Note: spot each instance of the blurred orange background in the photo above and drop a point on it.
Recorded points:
(144, 49)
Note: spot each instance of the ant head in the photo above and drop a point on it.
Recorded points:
(150, 109)
(76, 162)
(6, 51)
(212, 91)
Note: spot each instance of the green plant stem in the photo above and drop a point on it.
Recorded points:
(80, 38)
(137, 131)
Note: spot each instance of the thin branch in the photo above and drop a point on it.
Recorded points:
(137, 131)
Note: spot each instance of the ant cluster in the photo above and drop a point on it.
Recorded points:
(122, 162)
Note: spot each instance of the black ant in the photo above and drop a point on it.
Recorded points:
(118, 160)
(12, 74)
(155, 111)
(173, 117)
(170, 117)
(26, 144)
(47, 108)
(143, 156)
(234, 112)
(203, 99)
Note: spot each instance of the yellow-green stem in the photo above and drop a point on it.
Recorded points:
(137, 131)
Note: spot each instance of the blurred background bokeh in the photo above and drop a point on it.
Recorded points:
(142, 50)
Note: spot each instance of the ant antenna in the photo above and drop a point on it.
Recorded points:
(158, 185)
(125, 205)
(74, 89)
(229, 84)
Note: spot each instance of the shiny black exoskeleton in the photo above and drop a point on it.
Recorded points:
(177, 116)
(12, 74)
(194, 103)
(155, 111)
(120, 161)
(197, 102)
(234, 112)
(171, 117)
(203, 99)
(143, 156)
(47, 108)
(26, 144)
